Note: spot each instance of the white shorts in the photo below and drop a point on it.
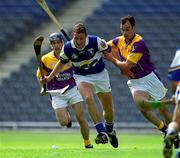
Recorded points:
(100, 81)
(177, 94)
(72, 96)
(150, 84)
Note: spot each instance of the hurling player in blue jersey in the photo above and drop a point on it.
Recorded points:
(174, 126)
(86, 54)
(71, 97)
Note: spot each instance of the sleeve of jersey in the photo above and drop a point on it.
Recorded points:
(63, 57)
(113, 46)
(174, 70)
(136, 53)
(38, 74)
(102, 45)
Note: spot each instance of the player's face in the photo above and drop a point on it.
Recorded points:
(127, 31)
(79, 40)
(57, 45)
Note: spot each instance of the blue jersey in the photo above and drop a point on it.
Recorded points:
(88, 60)
(174, 70)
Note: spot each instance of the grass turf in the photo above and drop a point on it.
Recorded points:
(70, 145)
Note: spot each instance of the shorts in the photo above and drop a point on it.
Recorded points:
(100, 81)
(149, 83)
(72, 96)
(177, 94)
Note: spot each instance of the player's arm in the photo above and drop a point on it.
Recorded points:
(58, 67)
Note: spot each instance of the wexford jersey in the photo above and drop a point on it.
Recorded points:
(64, 78)
(88, 60)
(174, 70)
(135, 51)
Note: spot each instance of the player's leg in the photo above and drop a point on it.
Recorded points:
(74, 99)
(105, 99)
(59, 105)
(86, 90)
(172, 133)
(140, 98)
(103, 92)
(63, 117)
(176, 116)
(164, 111)
(173, 127)
(108, 111)
(84, 128)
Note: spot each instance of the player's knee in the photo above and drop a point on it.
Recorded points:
(89, 99)
(63, 122)
(141, 104)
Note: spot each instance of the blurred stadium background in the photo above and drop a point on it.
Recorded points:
(21, 105)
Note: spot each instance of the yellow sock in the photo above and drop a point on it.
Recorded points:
(161, 125)
(87, 142)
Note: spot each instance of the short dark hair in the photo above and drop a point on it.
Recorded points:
(79, 28)
(129, 18)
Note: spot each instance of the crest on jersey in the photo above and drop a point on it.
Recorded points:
(133, 49)
(53, 64)
(74, 56)
(91, 51)
(103, 44)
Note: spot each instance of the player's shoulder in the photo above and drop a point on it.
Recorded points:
(67, 46)
(138, 40)
(93, 36)
(178, 52)
(176, 60)
(115, 40)
(46, 56)
(93, 39)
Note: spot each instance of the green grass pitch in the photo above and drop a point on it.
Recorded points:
(38, 145)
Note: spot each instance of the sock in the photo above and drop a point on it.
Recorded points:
(100, 127)
(162, 127)
(109, 127)
(171, 130)
(87, 142)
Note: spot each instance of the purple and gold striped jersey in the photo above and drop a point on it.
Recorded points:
(135, 51)
(64, 78)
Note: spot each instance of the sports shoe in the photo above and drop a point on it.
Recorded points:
(89, 146)
(113, 139)
(101, 138)
(168, 140)
(69, 125)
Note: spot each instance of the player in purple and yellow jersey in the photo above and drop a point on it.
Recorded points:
(174, 126)
(64, 78)
(145, 86)
(86, 54)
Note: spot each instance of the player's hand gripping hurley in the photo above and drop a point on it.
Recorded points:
(37, 48)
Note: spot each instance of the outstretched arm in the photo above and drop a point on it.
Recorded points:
(58, 67)
(124, 66)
